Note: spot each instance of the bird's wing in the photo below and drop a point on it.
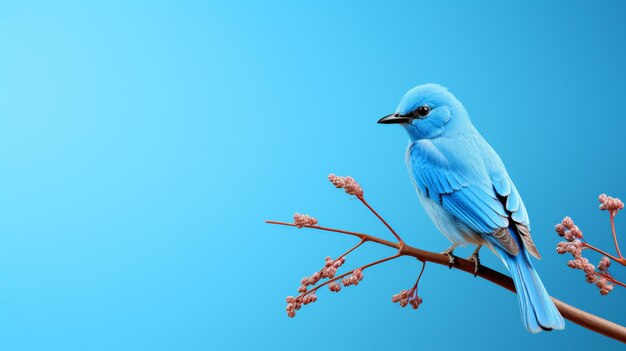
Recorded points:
(466, 188)
(507, 192)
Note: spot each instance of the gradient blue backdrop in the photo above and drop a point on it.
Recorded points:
(144, 143)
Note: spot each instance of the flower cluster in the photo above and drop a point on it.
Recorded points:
(295, 303)
(347, 183)
(574, 245)
(331, 267)
(611, 204)
(301, 220)
(308, 296)
(583, 264)
(407, 297)
(354, 278)
(306, 281)
(602, 283)
(328, 272)
(334, 287)
(568, 230)
(604, 286)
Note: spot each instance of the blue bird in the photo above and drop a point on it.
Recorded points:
(467, 192)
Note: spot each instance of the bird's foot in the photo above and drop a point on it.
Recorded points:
(449, 252)
(475, 257)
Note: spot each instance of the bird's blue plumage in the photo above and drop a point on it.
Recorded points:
(467, 192)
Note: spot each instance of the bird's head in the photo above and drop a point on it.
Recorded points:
(428, 111)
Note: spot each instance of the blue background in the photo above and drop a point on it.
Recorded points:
(143, 144)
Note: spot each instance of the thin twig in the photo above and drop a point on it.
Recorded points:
(352, 249)
(616, 259)
(622, 261)
(380, 217)
(420, 275)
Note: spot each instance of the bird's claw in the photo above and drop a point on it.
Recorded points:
(476, 260)
(474, 257)
(451, 259)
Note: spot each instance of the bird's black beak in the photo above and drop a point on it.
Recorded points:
(395, 118)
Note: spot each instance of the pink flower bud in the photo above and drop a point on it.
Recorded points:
(604, 263)
(588, 268)
(416, 302)
(606, 289)
(334, 287)
(576, 232)
(331, 272)
(601, 282)
(567, 222)
(324, 273)
(573, 264)
(560, 229)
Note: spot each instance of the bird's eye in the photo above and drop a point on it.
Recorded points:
(421, 111)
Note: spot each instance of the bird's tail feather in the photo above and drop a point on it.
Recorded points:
(537, 309)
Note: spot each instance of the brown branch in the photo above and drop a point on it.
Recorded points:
(575, 315)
